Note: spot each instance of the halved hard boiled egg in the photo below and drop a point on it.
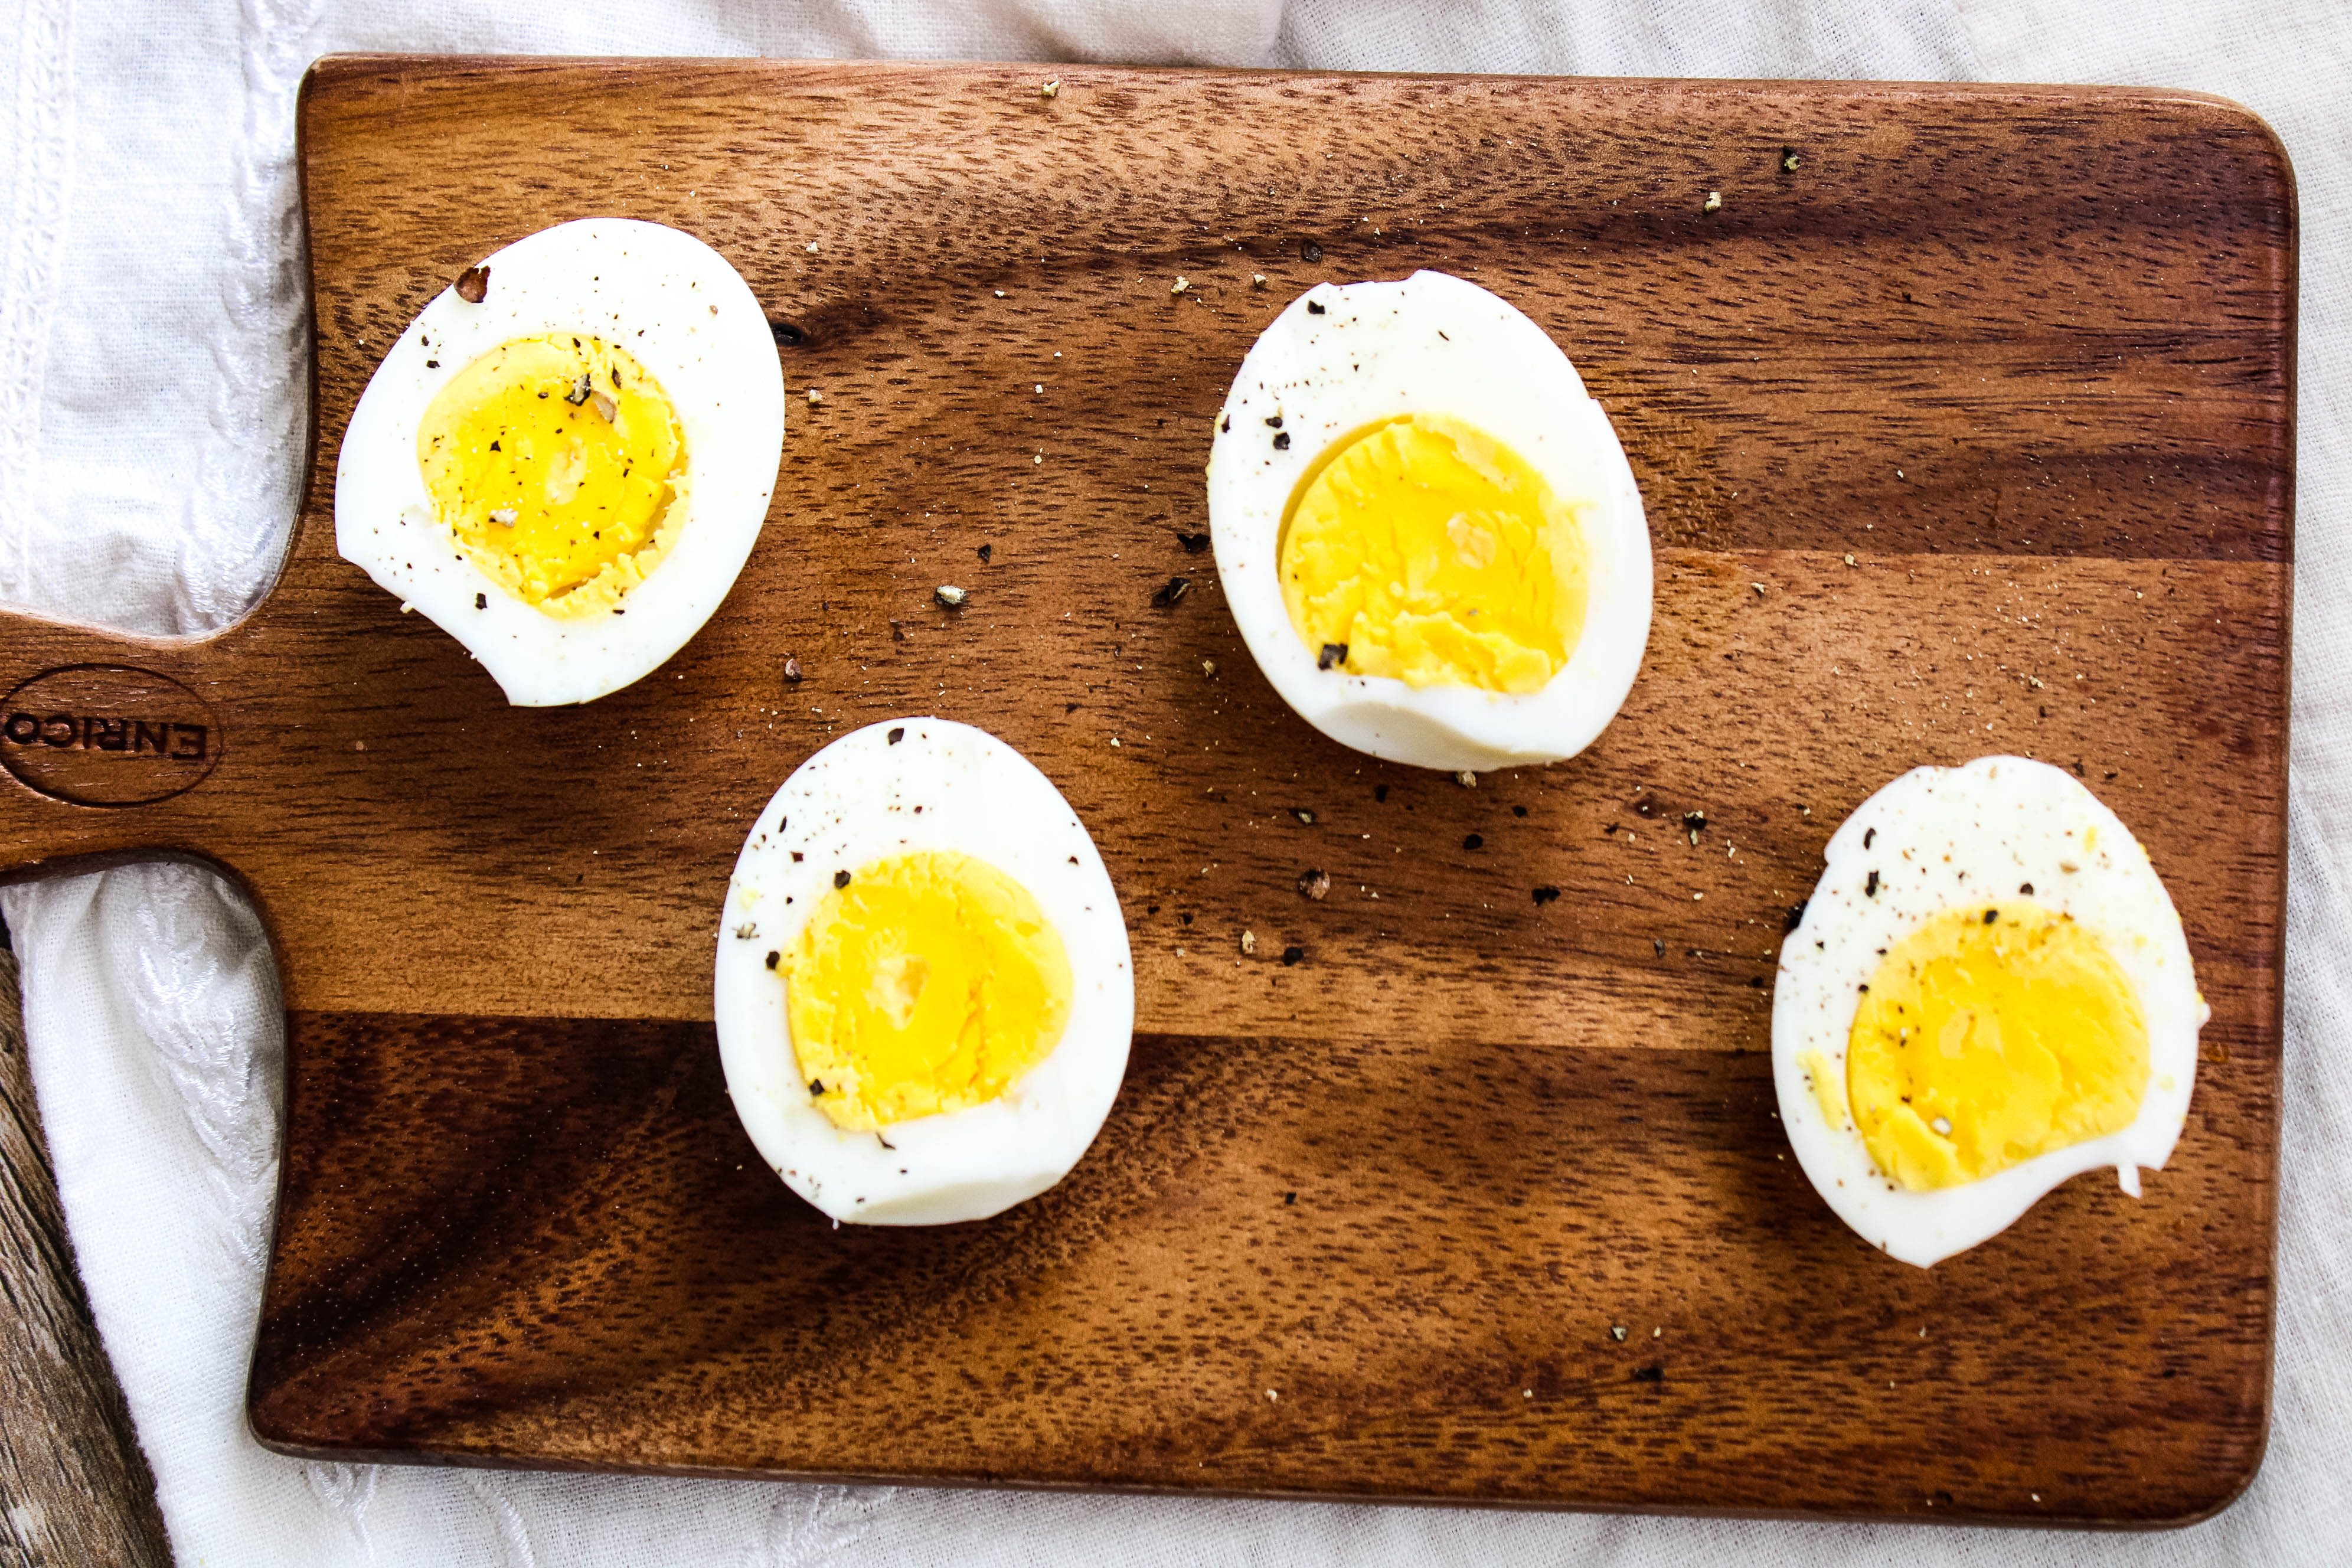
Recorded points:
(1988, 993)
(565, 461)
(1428, 532)
(924, 993)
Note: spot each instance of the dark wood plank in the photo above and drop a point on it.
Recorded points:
(1423, 1246)
(1991, 394)
(76, 1484)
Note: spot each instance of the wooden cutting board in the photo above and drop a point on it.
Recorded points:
(1965, 425)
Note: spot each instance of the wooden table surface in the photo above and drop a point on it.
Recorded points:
(1991, 391)
(74, 1486)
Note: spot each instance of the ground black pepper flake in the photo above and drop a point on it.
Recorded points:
(1546, 895)
(897, 735)
(1225, 425)
(1291, 955)
(1991, 915)
(985, 552)
(1311, 252)
(1193, 543)
(481, 601)
(1273, 422)
(1796, 916)
(1870, 889)
(473, 284)
(792, 670)
(1281, 441)
(1658, 946)
(1380, 792)
(1868, 834)
(1315, 884)
(1170, 591)
(1313, 309)
(1649, 1375)
(2025, 890)
(773, 958)
(1288, 1199)
(898, 631)
(1694, 822)
(1474, 841)
(816, 1086)
(1333, 653)
(1518, 811)
(841, 878)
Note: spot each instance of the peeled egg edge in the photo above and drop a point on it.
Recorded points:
(384, 517)
(1837, 1161)
(1563, 432)
(749, 1000)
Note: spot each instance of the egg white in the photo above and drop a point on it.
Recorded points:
(688, 317)
(1432, 343)
(1946, 837)
(941, 786)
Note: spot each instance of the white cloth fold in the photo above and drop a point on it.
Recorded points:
(151, 421)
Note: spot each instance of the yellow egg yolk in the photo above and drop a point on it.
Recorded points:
(1424, 549)
(1828, 1088)
(557, 463)
(930, 981)
(1991, 1033)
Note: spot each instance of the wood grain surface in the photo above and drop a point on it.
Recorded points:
(75, 1489)
(1971, 431)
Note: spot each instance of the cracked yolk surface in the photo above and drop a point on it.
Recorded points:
(931, 983)
(1989, 1035)
(1434, 553)
(557, 463)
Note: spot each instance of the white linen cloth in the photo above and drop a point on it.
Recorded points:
(152, 426)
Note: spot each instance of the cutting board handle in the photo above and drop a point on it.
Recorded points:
(107, 739)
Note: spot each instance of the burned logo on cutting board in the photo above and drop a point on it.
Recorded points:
(107, 734)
